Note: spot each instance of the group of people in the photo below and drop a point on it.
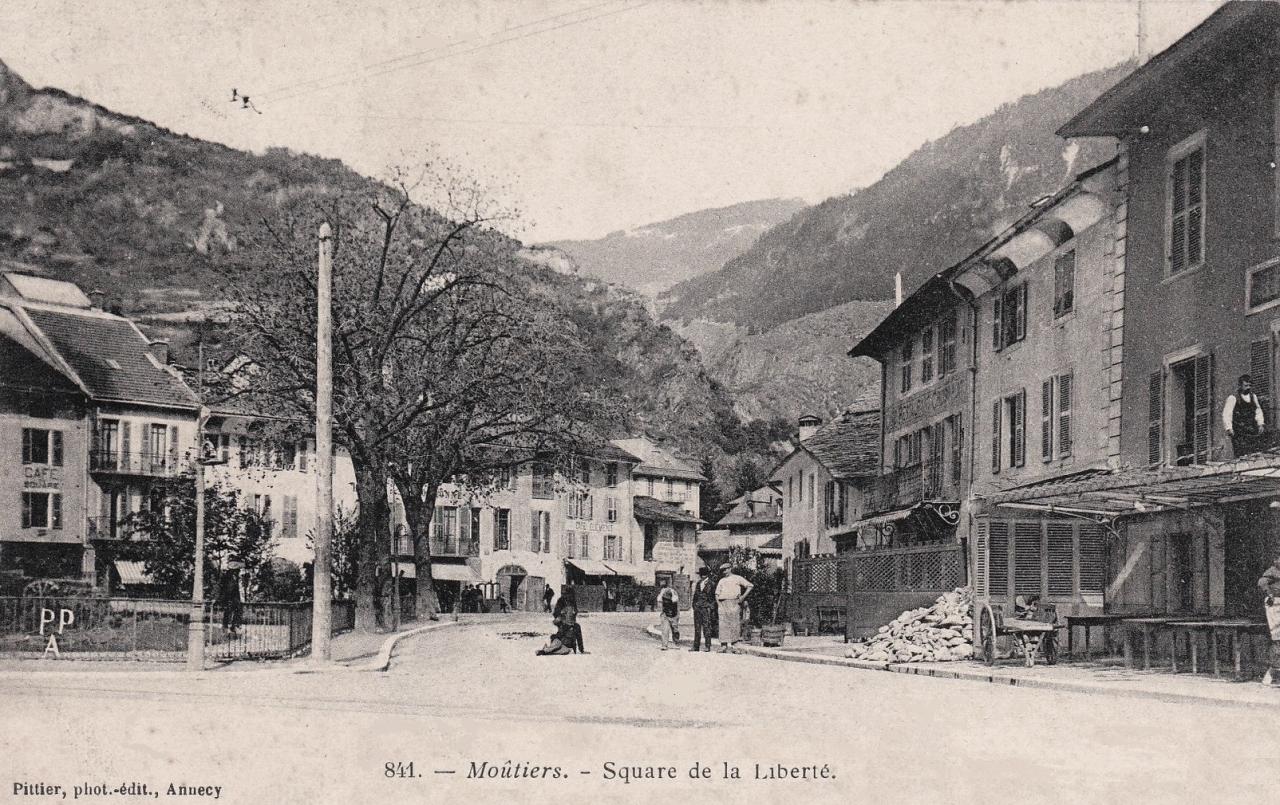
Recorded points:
(567, 638)
(718, 606)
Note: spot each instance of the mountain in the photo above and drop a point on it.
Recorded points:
(798, 367)
(120, 204)
(932, 209)
(654, 257)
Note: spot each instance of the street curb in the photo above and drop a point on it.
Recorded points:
(980, 676)
(381, 663)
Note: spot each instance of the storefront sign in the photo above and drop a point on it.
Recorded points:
(939, 401)
(38, 476)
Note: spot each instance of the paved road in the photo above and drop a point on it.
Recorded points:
(477, 694)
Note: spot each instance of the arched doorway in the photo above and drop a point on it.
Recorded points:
(512, 583)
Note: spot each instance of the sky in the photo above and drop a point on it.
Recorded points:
(582, 116)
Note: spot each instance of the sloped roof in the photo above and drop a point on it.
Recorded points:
(19, 367)
(111, 358)
(756, 508)
(43, 289)
(721, 539)
(655, 460)
(654, 510)
(848, 446)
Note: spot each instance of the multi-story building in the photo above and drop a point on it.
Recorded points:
(754, 521)
(663, 476)
(834, 462)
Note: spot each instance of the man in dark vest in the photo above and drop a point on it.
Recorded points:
(704, 609)
(1243, 419)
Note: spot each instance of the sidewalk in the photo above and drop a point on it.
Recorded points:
(1108, 677)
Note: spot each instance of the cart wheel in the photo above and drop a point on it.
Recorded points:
(1049, 644)
(987, 634)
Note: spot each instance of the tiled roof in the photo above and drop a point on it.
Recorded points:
(655, 460)
(849, 445)
(723, 540)
(21, 368)
(647, 508)
(754, 509)
(111, 357)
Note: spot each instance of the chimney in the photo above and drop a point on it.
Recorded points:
(159, 349)
(809, 425)
(897, 289)
(97, 297)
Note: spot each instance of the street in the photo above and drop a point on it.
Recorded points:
(610, 724)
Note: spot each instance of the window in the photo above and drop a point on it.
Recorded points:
(543, 481)
(905, 362)
(41, 510)
(444, 524)
(1009, 317)
(1064, 284)
(584, 471)
(1008, 431)
(671, 492)
(835, 503)
(570, 545)
(502, 529)
(1262, 285)
(289, 521)
(584, 545)
(546, 531)
(611, 474)
(1185, 186)
(1055, 417)
(926, 356)
(947, 337)
(535, 531)
(107, 450)
(1184, 418)
(813, 482)
(612, 515)
(611, 548)
(955, 427)
(790, 490)
(40, 446)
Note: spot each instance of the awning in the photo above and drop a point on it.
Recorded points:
(623, 569)
(887, 517)
(409, 570)
(591, 567)
(463, 573)
(133, 572)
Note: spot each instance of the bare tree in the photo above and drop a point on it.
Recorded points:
(444, 354)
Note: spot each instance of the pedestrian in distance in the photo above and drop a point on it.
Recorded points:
(704, 609)
(1243, 419)
(547, 595)
(230, 600)
(668, 605)
(1270, 586)
(731, 592)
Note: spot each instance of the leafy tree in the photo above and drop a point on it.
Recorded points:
(711, 503)
(164, 538)
(768, 583)
(280, 580)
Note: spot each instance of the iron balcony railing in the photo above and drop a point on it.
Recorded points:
(907, 486)
(164, 465)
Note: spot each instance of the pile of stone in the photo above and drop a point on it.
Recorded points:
(940, 633)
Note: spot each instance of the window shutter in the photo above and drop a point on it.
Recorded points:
(173, 446)
(995, 437)
(1093, 559)
(1155, 416)
(980, 560)
(1065, 383)
(998, 561)
(1195, 177)
(1019, 428)
(1020, 323)
(996, 322)
(957, 447)
(1203, 401)
(1061, 559)
(126, 430)
(1027, 557)
(1046, 420)
(1260, 373)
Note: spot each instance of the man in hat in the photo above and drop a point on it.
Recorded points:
(704, 609)
(1270, 586)
(731, 592)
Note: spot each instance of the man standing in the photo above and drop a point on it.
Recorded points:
(731, 591)
(704, 609)
(669, 606)
(547, 595)
(231, 600)
(1270, 586)
(1243, 419)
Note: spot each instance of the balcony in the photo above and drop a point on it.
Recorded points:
(452, 546)
(135, 463)
(908, 486)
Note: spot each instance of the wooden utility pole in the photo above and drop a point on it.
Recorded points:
(322, 583)
(195, 626)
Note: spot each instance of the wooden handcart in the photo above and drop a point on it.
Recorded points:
(1034, 627)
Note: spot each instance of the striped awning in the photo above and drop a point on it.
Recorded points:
(133, 572)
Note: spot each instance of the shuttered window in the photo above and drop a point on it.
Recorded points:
(1155, 416)
(1203, 401)
(1046, 420)
(981, 558)
(926, 355)
(1065, 388)
(905, 356)
(1060, 555)
(998, 581)
(1027, 558)
(957, 447)
(1186, 210)
(1064, 284)
(947, 337)
(1260, 361)
(1017, 410)
(995, 436)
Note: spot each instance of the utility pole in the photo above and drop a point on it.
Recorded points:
(195, 626)
(322, 584)
(1142, 33)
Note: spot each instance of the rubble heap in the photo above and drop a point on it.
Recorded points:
(939, 633)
